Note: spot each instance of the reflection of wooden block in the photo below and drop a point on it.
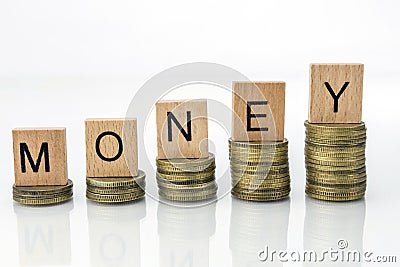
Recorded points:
(40, 157)
(182, 129)
(111, 148)
(336, 93)
(259, 111)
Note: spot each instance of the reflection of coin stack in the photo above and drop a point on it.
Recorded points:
(187, 179)
(327, 223)
(259, 170)
(185, 234)
(335, 161)
(44, 236)
(255, 226)
(114, 233)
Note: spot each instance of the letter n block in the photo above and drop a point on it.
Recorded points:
(111, 148)
(40, 156)
(182, 129)
(258, 111)
(336, 92)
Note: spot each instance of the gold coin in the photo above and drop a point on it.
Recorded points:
(187, 198)
(114, 191)
(335, 191)
(257, 144)
(337, 185)
(252, 197)
(114, 198)
(335, 126)
(186, 163)
(42, 201)
(113, 182)
(336, 198)
(194, 177)
(178, 171)
(43, 190)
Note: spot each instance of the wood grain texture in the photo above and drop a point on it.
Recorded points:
(31, 148)
(179, 146)
(349, 104)
(272, 125)
(111, 147)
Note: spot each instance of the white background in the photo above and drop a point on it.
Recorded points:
(64, 61)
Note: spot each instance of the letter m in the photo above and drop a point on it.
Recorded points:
(25, 153)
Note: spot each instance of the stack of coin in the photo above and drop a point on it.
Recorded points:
(116, 189)
(335, 161)
(187, 179)
(259, 170)
(42, 195)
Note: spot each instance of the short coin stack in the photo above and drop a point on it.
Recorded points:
(335, 161)
(259, 170)
(187, 179)
(42, 195)
(116, 190)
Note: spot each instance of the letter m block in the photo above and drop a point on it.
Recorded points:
(40, 156)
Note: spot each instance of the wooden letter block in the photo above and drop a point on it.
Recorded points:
(336, 93)
(40, 156)
(182, 129)
(111, 148)
(259, 111)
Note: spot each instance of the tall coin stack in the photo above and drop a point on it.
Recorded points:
(116, 190)
(335, 161)
(259, 170)
(42, 195)
(187, 179)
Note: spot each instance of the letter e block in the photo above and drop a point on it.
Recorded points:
(258, 111)
(40, 156)
(182, 129)
(111, 148)
(336, 93)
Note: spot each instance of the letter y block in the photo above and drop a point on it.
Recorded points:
(336, 92)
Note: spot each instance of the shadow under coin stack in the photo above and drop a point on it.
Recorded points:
(335, 161)
(116, 190)
(259, 170)
(187, 179)
(42, 195)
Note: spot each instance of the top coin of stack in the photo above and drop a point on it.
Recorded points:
(187, 179)
(259, 170)
(335, 161)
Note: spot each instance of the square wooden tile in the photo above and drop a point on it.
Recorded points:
(182, 129)
(111, 148)
(258, 111)
(336, 92)
(40, 156)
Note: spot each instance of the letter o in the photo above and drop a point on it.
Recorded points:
(120, 146)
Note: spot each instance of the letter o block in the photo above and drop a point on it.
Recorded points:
(258, 111)
(40, 156)
(111, 148)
